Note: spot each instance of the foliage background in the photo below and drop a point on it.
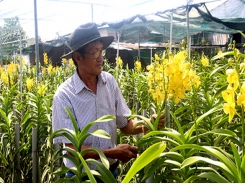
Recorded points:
(204, 131)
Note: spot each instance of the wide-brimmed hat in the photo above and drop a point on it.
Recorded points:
(85, 34)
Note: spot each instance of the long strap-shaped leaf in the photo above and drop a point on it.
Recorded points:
(188, 134)
(105, 118)
(195, 159)
(76, 128)
(211, 150)
(243, 169)
(237, 159)
(170, 132)
(105, 174)
(207, 175)
(87, 169)
(102, 156)
(145, 158)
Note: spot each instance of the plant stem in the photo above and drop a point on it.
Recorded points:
(242, 119)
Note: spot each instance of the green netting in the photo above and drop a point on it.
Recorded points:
(156, 27)
(231, 10)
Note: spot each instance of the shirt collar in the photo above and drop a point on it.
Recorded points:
(79, 84)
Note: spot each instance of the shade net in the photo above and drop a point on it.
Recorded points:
(157, 27)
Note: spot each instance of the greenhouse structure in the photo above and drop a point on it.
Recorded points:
(179, 73)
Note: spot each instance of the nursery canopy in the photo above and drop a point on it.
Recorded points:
(231, 10)
(157, 27)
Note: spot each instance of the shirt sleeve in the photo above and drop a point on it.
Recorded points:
(60, 118)
(122, 110)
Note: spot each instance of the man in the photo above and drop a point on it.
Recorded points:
(91, 93)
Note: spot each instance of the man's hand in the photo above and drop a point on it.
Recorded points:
(161, 120)
(125, 152)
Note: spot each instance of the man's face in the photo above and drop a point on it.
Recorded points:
(92, 62)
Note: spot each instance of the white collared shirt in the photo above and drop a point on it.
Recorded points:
(87, 106)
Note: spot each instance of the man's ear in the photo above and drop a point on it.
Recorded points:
(77, 56)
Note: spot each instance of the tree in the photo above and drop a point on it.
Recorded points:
(12, 38)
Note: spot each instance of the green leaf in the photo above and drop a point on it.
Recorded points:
(105, 118)
(172, 162)
(73, 120)
(102, 156)
(87, 169)
(181, 109)
(74, 159)
(68, 134)
(6, 118)
(145, 158)
(195, 159)
(106, 175)
(211, 150)
(168, 132)
(217, 69)
(149, 125)
(241, 33)
(190, 131)
(237, 159)
(101, 133)
(243, 169)
(25, 118)
(178, 125)
(222, 55)
(215, 109)
(61, 170)
(224, 132)
(141, 143)
(213, 177)
(65, 180)
(1, 180)
(173, 155)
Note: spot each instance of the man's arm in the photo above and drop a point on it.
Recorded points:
(129, 128)
(123, 152)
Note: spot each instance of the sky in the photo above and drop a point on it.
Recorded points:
(61, 17)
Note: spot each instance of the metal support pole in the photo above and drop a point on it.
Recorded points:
(171, 31)
(139, 45)
(92, 12)
(187, 36)
(57, 162)
(1, 57)
(151, 55)
(21, 75)
(137, 107)
(189, 47)
(36, 41)
(17, 144)
(118, 39)
(20, 65)
(34, 155)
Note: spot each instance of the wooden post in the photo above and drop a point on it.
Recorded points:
(17, 145)
(57, 163)
(34, 155)
(139, 45)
